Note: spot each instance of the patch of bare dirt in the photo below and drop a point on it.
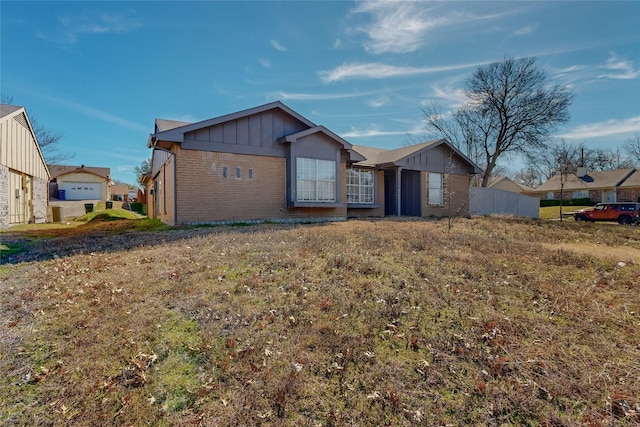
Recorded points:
(618, 253)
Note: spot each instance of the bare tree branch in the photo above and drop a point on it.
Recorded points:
(510, 108)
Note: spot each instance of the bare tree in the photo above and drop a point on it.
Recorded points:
(48, 139)
(544, 162)
(604, 159)
(631, 148)
(566, 166)
(528, 176)
(510, 108)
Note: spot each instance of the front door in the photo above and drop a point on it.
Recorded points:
(609, 196)
(410, 202)
(390, 200)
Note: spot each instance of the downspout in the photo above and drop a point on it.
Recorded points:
(175, 186)
(399, 191)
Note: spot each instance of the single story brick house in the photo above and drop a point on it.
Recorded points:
(23, 172)
(619, 185)
(269, 163)
(80, 182)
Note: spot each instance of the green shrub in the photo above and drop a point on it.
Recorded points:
(139, 208)
(584, 201)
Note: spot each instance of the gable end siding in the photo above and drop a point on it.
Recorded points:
(256, 134)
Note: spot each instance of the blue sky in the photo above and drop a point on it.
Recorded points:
(101, 72)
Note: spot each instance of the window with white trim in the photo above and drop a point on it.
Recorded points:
(580, 194)
(359, 185)
(436, 190)
(316, 180)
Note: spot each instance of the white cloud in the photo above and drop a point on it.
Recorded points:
(71, 27)
(620, 69)
(378, 102)
(376, 70)
(315, 96)
(397, 26)
(374, 130)
(265, 63)
(402, 26)
(603, 129)
(367, 133)
(454, 96)
(527, 29)
(278, 46)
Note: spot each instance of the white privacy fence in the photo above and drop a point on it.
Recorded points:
(488, 201)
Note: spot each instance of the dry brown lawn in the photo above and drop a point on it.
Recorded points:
(494, 322)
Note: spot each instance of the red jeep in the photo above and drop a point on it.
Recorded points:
(623, 212)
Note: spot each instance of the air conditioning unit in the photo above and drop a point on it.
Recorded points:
(18, 193)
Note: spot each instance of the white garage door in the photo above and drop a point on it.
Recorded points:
(81, 190)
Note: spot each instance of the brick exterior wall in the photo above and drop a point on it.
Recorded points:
(628, 194)
(40, 190)
(455, 192)
(205, 195)
(4, 196)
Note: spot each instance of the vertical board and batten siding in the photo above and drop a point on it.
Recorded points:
(19, 149)
(437, 159)
(256, 134)
(24, 175)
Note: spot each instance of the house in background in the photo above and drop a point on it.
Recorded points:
(120, 193)
(506, 184)
(80, 182)
(269, 163)
(23, 172)
(629, 190)
(605, 186)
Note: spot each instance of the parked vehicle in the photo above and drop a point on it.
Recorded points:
(623, 212)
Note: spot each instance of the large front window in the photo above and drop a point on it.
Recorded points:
(436, 193)
(316, 180)
(359, 186)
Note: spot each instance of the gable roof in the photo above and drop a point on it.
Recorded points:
(162, 124)
(59, 170)
(383, 157)
(355, 156)
(495, 180)
(176, 134)
(5, 109)
(174, 131)
(20, 114)
(593, 180)
(633, 180)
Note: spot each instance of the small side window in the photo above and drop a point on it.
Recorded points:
(238, 174)
(224, 171)
(250, 174)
